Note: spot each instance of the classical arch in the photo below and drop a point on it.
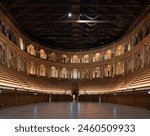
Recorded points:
(75, 59)
(75, 73)
(64, 58)
(21, 43)
(85, 59)
(119, 68)
(31, 50)
(129, 46)
(97, 72)
(11, 58)
(108, 54)
(54, 72)
(108, 70)
(32, 68)
(42, 70)
(119, 50)
(96, 57)
(64, 73)
(52, 56)
(138, 60)
(129, 64)
(85, 73)
(43, 55)
(133, 41)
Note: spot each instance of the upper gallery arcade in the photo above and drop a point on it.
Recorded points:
(129, 53)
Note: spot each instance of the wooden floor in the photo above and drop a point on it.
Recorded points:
(72, 110)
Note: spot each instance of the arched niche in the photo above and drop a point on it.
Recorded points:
(32, 68)
(75, 59)
(85, 59)
(119, 68)
(43, 55)
(86, 73)
(42, 70)
(2, 53)
(31, 50)
(52, 56)
(54, 72)
(64, 73)
(96, 72)
(108, 71)
(119, 50)
(21, 43)
(108, 54)
(64, 58)
(96, 57)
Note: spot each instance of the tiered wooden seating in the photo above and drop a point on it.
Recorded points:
(95, 85)
(128, 79)
(11, 78)
(142, 80)
(116, 83)
(131, 80)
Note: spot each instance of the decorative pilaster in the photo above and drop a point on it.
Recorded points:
(114, 69)
(143, 56)
(133, 62)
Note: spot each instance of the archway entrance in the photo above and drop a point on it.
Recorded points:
(75, 90)
(75, 95)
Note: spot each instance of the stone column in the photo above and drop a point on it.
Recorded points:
(69, 58)
(48, 71)
(37, 52)
(6, 56)
(114, 69)
(102, 57)
(37, 67)
(69, 73)
(78, 70)
(143, 56)
(133, 62)
(17, 62)
(113, 52)
(26, 66)
(59, 73)
(102, 71)
(91, 57)
(80, 73)
(125, 66)
(81, 58)
(91, 73)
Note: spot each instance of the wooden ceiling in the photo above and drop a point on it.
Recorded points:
(92, 23)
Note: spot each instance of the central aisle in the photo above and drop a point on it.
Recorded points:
(72, 110)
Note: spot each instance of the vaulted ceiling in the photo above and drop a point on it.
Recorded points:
(75, 24)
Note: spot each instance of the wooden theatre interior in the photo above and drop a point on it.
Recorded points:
(75, 50)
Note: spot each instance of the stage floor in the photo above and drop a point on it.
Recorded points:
(72, 110)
